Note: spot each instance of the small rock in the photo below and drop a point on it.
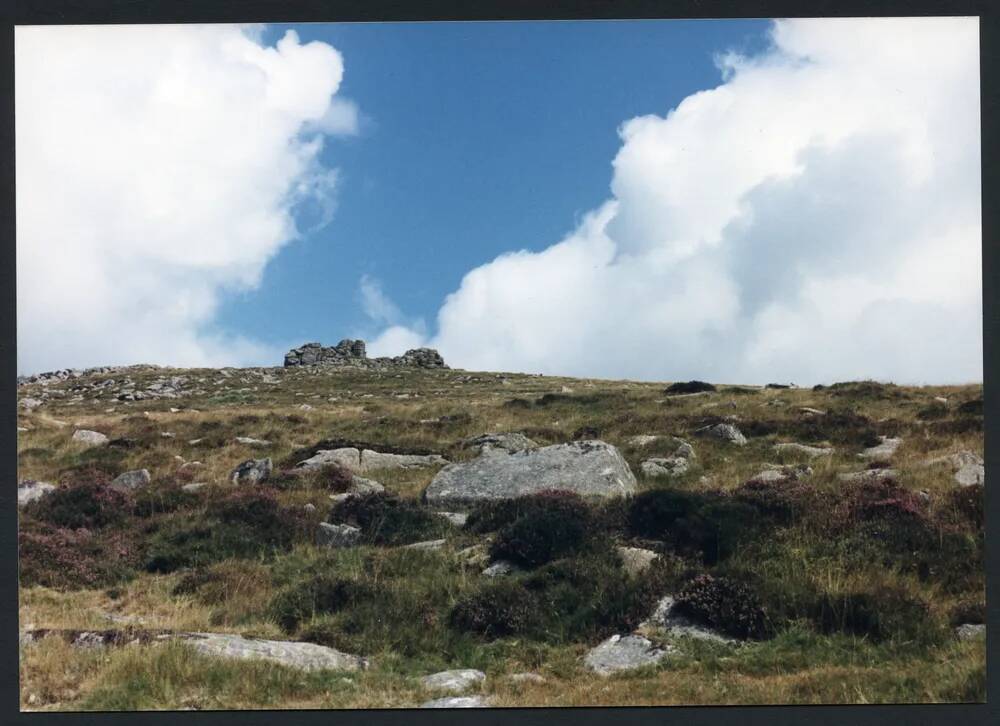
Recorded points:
(305, 407)
(970, 631)
(456, 702)
(671, 466)
(642, 440)
(677, 625)
(500, 568)
(636, 560)
(783, 472)
(724, 432)
(432, 544)
(509, 442)
(455, 681)
(248, 441)
(131, 480)
(309, 507)
(811, 451)
(623, 652)
(456, 518)
(940, 399)
(251, 471)
(90, 438)
(30, 490)
(527, 678)
(883, 452)
(168, 435)
(812, 411)
(869, 475)
(337, 535)
(195, 442)
(194, 486)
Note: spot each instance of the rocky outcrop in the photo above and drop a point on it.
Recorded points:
(352, 353)
(588, 468)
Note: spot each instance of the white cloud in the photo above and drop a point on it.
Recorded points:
(816, 217)
(157, 168)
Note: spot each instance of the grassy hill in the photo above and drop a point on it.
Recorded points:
(856, 588)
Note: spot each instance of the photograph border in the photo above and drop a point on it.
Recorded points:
(27, 12)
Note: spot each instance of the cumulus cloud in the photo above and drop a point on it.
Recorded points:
(158, 168)
(815, 217)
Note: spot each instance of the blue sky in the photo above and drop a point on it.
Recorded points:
(736, 201)
(475, 139)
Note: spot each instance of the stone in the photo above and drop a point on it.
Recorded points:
(307, 656)
(500, 568)
(455, 681)
(29, 404)
(431, 544)
(636, 560)
(195, 486)
(90, 438)
(251, 471)
(869, 475)
(131, 480)
(783, 472)
(358, 487)
(811, 451)
(367, 460)
(643, 440)
(671, 466)
(970, 631)
(248, 441)
(969, 467)
(666, 618)
(723, 432)
(588, 468)
(30, 491)
(456, 518)
(812, 411)
(527, 678)
(305, 407)
(509, 442)
(456, 702)
(883, 452)
(352, 353)
(623, 652)
(337, 535)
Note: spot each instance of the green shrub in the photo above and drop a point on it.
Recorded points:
(932, 412)
(688, 387)
(499, 609)
(724, 604)
(555, 527)
(880, 614)
(386, 519)
(152, 500)
(321, 594)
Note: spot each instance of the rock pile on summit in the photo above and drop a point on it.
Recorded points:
(352, 353)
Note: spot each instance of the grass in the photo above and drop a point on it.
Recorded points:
(860, 589)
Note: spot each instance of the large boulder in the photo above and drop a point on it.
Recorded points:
(588, 468)
(90, 438)
(361, 461)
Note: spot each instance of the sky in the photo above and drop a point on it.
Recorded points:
(740, 201)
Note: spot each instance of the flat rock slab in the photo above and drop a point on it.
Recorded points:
(30, 491)
(869, 475)
(307, 656)
(783, 472)
(623, 652)
(588, 468)
(811, 451)
(362, 460)
(455, 681)
(883, 452)
(457, 702)
(248, 441)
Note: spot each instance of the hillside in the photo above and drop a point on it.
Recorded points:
(845, 570)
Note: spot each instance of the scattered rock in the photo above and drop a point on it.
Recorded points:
(636, 560)
(671, 466)
(337, 535)
(358, 487)
(248, 441)
(500, 568)
(457, 702)
(623, 652)
(883, 452)
(29, 404)
(869, 475)
(811, 451)
(305, 407)
(455, 681)
(666, 618)
(456, 518)
(131, 480)
(431, 544)
(723, 432)
(812, 411)
(367, 460)
(90, 438)
(251, 471)
(30, 490)
(194, 486)
(970, 631)
(783, 472)
(527, 678)
(969, 467)
(643, 440)
(307, 656)
(509, 442)
(589, 468)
